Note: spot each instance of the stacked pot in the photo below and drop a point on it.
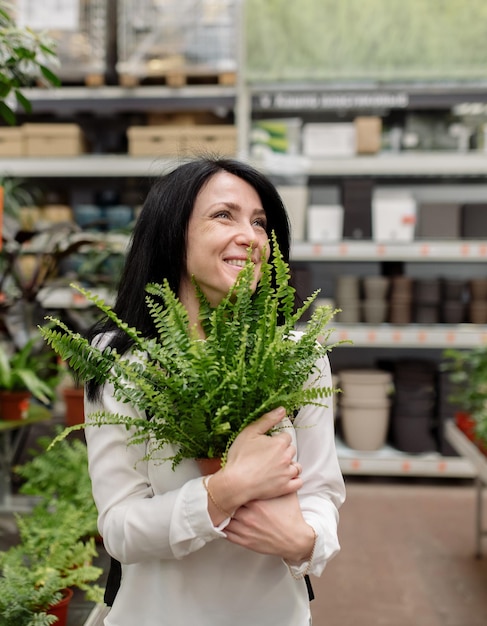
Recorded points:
(375, 303)
(364, 407)
(478, 301)
(347, 297)
(401, 300)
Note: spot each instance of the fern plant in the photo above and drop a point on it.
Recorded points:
(201, 394)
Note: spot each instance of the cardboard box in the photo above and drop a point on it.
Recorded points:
(11, 142)
(369, 134)
(182, 140)
(57, 140)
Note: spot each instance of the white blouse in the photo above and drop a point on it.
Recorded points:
(177, 567)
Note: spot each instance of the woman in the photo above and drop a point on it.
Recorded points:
(234, 547)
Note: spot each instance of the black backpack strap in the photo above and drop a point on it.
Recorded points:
(113, 581)
(311, 593)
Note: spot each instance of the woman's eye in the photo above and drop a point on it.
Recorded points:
(261, 223)
(222, 214)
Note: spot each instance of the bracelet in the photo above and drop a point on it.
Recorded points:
(206, 480)
(310, 559)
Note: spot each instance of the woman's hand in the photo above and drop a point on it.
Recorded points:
(274, 527)
(258, 466)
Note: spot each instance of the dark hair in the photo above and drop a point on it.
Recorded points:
(157, 248)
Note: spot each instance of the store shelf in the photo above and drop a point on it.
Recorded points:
(439, 336)
(108, 99)
(391, 462)
(86, 166)
(389, 164)
(411, 251)
(302, 97)
(467, 449)
(403, 165)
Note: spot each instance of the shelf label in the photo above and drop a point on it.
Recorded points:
(451, 337)
(397, 336)
(317, 249)
(465, 250)
(424, 250)
(343, 249)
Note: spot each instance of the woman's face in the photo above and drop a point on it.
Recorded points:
(227, 219)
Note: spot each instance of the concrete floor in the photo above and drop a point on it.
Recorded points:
(407, 559)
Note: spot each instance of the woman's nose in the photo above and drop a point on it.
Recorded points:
(246, 235)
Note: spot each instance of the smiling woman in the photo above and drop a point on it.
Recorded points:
(227, 220)
(268, 517)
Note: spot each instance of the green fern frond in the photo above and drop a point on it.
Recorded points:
(201, 394)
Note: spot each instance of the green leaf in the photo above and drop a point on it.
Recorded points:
(7, 114)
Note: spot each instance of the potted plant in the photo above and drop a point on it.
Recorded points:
(201, 394)
(25, 372)
(25, 59)
(60, 473)
(468, 373)
(52, 556)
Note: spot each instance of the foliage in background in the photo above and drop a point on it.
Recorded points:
(387, 40)
(29, 368)
(201, 394)
(467, 371)
(24, 59)
(52, 555)
(61, 473)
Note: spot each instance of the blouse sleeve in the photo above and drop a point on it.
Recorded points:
(323, 490)
(136, 523)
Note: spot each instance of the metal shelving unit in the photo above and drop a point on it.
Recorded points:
(391, 462)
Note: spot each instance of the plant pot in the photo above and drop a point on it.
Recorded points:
(365, 428)
(60, 610)
(74, 406)
(14, 405)
(209, 466)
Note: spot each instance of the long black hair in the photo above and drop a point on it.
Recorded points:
(157, 249)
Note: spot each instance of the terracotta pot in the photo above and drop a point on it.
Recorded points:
(209, 466)
(74, 406)
(60, 610)
(14, 405)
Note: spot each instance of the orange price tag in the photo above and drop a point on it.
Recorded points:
(78, 298)
(343, 335)
(381, 250)
(372, 336)
(465, 250)
(483, 250)
(451, 337)
(425, 250)
(317, 249)
(442, 465)
(421, 337)
(406, 466)
(343, 249)
(355, 464)
(396, 336)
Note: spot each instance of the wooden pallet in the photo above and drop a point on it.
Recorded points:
(179, 78)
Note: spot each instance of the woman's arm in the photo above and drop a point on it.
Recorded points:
(287, 526)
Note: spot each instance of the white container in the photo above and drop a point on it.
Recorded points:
(325, 222)
(295, 198)
(365, 428)
(329, 140)
(365, 384)
(393, 216)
